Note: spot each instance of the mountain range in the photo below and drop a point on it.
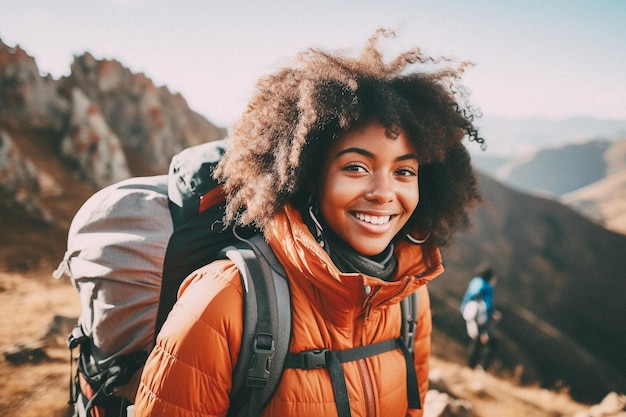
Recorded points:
(561, 287)
(588, 176)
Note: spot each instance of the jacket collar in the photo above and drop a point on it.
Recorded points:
(309, 266)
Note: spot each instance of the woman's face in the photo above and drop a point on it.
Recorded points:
(369, 187)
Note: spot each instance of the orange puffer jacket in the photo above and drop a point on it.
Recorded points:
(189, 371)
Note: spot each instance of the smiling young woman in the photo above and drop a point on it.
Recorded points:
(354, 171)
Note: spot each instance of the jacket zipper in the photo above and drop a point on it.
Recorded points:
(369, 298)
(366, 379)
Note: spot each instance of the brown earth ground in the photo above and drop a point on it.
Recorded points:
(30, 300)
(27, 304)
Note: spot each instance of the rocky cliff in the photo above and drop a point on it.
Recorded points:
(105, 121)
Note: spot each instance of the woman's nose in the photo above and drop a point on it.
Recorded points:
(380, 189)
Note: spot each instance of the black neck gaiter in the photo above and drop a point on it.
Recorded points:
(345, 258)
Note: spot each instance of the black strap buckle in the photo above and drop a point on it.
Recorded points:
(313, 359)
(263, 350)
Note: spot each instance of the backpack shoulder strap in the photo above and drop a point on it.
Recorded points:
(267, 325)
(410, 310)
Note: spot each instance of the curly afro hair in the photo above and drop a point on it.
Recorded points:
(278, 144)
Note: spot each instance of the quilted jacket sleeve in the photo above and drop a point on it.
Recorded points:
(189, 371)
(422, 347)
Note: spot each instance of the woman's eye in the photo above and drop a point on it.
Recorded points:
(354, 168)
(406, 172)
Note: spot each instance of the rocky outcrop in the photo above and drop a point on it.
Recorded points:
(20, 354)
(149, 120)
(21, 182)
(92, 144)
(440, 404)
(28, 100)
(98, 118)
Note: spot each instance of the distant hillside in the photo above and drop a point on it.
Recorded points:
(604, 201)
(587, 176)
(558, 170)
(561, 290)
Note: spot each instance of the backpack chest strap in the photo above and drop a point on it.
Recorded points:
(325, 358)
(319, 358)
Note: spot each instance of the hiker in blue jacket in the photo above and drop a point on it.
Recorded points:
(478, 311)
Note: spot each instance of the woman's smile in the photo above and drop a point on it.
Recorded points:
(373, 219)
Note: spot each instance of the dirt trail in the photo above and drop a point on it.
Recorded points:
(28, 303)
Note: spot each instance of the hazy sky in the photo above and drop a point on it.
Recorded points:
(551, 58)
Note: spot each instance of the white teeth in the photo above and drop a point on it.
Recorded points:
(373, 219)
